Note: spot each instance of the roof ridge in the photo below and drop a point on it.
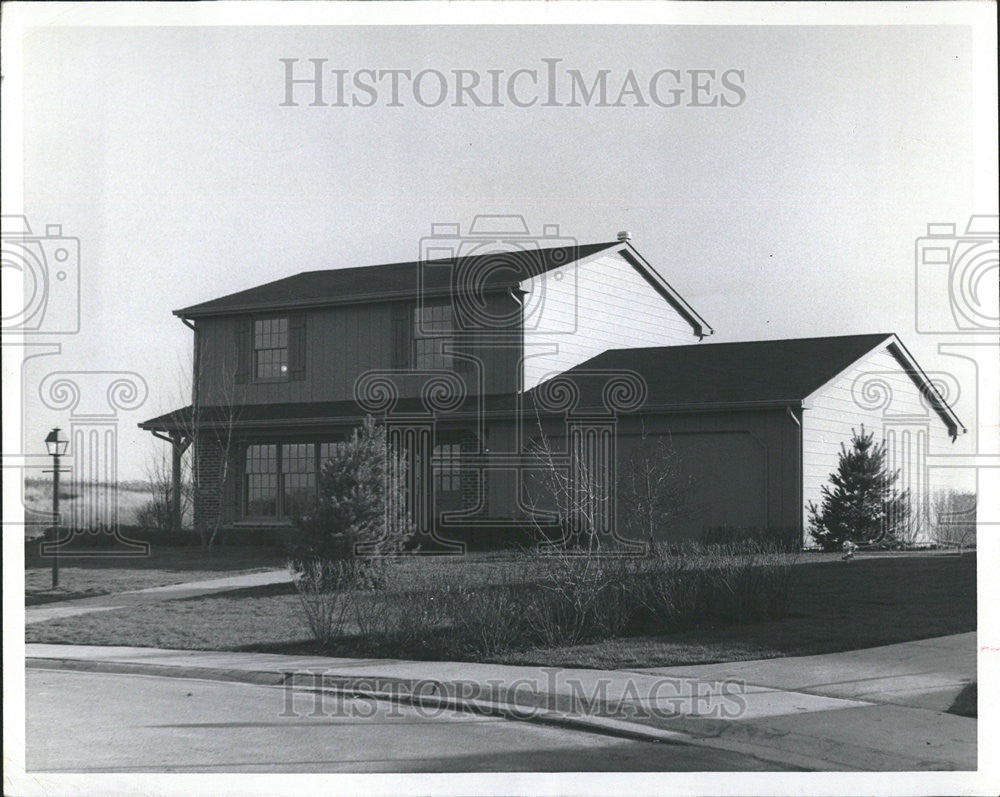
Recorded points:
(719, 344)
(597, 246)
(348, 284)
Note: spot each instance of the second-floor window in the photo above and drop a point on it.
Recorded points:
(270, 348)
(433, 337)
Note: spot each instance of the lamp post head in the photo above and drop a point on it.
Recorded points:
(55, 443)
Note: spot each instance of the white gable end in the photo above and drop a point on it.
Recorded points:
(577, 311)
(876, 392)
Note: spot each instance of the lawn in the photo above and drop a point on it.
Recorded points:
(87, 576)
(872, 601)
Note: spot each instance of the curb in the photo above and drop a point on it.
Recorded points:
(410, 692)
(793, 751)
(424, 692)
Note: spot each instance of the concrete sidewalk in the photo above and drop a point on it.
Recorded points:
(927, 673)
(877, 709)
(118, 600)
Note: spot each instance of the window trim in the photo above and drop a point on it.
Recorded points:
(452, 460)
(280, 516)
(287, 375)
(449, 338)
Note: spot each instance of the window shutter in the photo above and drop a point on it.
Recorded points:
(402, 336)
(297, 347)
(244, 330)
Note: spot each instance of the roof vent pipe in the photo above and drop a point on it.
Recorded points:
(624, 235)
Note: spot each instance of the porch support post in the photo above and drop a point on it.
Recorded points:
(178, 445)
(175, 483)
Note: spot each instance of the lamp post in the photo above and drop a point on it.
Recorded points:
(56, 446)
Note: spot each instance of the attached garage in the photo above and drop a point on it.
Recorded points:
(755, 429)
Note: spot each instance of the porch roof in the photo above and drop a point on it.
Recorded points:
(312, 414)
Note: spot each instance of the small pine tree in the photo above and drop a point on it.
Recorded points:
(361, 509)
(863, 505)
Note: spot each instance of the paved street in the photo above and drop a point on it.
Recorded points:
(103, 722)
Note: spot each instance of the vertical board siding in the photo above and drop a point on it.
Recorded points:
(893, 408)
(585, 309)
(341, 344)
(744, 466)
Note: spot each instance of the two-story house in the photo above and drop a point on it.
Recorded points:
(479, 360)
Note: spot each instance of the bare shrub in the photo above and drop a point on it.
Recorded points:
(372, 614)
(325, 588)
(953, 516)
(155, 515)
(488, 619)
(416, 606)
(669, 588)
(580, 597)
(159, 513)
(655, 488)
(746, 581)
(552, 598)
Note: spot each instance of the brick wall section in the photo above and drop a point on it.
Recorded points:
(207, 486)
(469, 478)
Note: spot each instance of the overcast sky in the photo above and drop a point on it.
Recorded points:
(792, 213)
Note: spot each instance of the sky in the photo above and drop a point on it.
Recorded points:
(791, 212)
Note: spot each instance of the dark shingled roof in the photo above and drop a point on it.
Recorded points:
(676, 378)
(707, 373)
(492, 271)
(761, 371)
(320, 413)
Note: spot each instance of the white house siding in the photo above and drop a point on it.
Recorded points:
(580, 310)
(876, 392)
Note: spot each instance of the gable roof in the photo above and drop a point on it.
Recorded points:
(708, 376)
(747, 374)
(497, 270)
